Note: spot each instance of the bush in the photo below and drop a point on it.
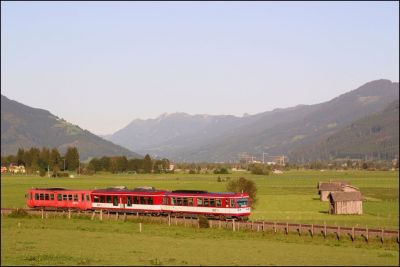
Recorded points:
(61, 174)
(18, 213)
(203, 222)
(221, 171)
(192, 172)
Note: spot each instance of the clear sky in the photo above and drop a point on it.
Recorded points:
(102, 64)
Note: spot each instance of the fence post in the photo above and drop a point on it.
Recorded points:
(238, 226)
(169, 219)
(42, 214)
(367, 235)
(94, 213)
(124, 216)
(338, 232)
(274, 227)
(252, 225)
(69, 213)
(312, 230)
(300, 229)
(382, 235)
(140, 227)
(233, 225)
(176, 222)
(263, 226)
(352, 233)
(324, 229)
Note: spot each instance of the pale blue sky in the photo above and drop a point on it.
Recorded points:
(102, 64)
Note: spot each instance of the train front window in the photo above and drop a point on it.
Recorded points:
(242, 202)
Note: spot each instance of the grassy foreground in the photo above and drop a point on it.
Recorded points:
(81, 241)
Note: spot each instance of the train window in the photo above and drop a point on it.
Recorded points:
(206, 202)
(65, 197)
(190, 201)
(82, 197)
(41, 196)
(51, 196)
(109, 199)
(102, 199)
(172, 201)
(185, 201)
(142, 200)
(218, 201)
(36, 196)
(95, 199)
(135, 200)
(75, 197)
(87, 197)
(129, 201)
(70, 197)
(115, 202)
(212, 202)
(46, 196)
(242, 202)
(232, 203)
(59, 197)
(150, 201)
(165, 201)
(199, 202)
(179, 201)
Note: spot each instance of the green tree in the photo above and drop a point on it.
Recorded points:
(244, 185)
(20, 156)
(147, 164)
(55, 160)
(72, 158)
(122, 164)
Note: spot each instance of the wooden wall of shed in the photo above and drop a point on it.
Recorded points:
(324, 195)
(348, 207)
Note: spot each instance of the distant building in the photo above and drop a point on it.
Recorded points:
(16, 169)
(345, 203)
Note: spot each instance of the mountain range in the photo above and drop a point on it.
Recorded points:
(296, 132)
(25, 127)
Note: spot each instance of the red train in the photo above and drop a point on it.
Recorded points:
(144, 200)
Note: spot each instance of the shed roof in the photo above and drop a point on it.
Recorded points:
(345, 196)
(331, 186)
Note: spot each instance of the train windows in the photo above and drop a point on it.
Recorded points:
(65, 197)
(95, 199)
(206, 202)
(51, 196)
(41, 196)
(129, 201)
(102, 199)
(70, 197)
(109, 199)
(115, 202)
(179, 201)
(75, 197)
(82, 197)
(212, 202)
(87, 197)
(218, 201)
(199, 202)
(232, 203)
(59, 197)
(142, 200)
(172, 201)
(135, 200)
(36, 196)
(150, 201)
(190, 201)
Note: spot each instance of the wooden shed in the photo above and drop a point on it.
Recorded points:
(345, 202)
(325, 188)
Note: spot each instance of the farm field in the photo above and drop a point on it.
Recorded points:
(81, 241)
(291, 196)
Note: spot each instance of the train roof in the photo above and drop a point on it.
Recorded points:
(128, 191)
(59, 189)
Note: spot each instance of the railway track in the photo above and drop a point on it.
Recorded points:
(259, 226)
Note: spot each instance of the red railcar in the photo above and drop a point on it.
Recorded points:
(59, 198)
(144, 200)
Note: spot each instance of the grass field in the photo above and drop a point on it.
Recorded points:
(291, 196)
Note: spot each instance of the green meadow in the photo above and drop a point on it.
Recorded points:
(291, 196)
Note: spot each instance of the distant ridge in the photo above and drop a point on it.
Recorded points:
(25, 127)
(196, 138)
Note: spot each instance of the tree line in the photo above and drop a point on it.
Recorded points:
(44, 159)
(122, 164)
